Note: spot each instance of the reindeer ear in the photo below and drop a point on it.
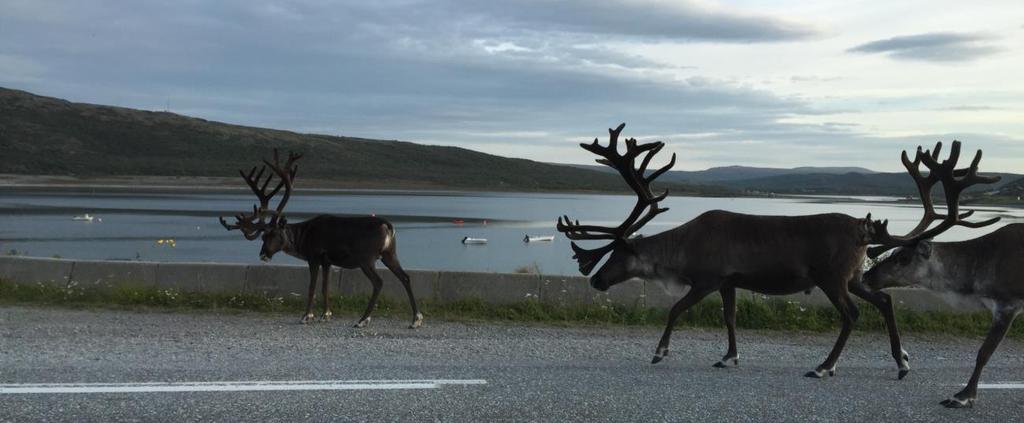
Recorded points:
(627, 244)
(867, 230)
(282, 221)
(924, 248)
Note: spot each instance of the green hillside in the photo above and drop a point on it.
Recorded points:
(49, 136)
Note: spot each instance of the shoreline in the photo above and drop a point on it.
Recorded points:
(215, 184)
(150, 184)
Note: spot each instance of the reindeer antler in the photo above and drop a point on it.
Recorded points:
(251, 229)
(954, 182)
(287, 175)
(636, 180)
(253, 181)
(249, 225)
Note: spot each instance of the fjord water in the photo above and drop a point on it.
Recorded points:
(130, 225)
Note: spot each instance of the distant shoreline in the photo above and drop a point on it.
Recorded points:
(216, 184)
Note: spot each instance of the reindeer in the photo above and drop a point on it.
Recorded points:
(722, 251)
(322, 241)
(989, 268)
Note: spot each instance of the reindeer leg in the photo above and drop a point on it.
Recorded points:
(693, 297)
(377, 282)
(326, 280)
(391, 261)
(883, 302)
(314, 268)
(1002, 318)
(729, 315)
(849, 314)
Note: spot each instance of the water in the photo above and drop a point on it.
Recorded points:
(38, 223)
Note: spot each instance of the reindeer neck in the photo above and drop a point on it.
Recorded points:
(655, 251)
(948, 270)
(294, 233)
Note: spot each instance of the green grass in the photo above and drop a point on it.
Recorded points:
(771, 314)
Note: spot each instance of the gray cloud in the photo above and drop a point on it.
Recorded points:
(966, 108)
(933, 47)
(678, 19)
(362, 68)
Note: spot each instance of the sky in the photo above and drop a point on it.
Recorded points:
(756, 83)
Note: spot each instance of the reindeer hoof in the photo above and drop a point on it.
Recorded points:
(659, 355)
(958, 403)
(326, 316)
(727, 361)
(309, 318)
(904, 365)
(820, 373)
(362, 323)
(417, 322)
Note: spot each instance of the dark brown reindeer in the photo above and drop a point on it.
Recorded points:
(989, 268)
(721, 251)
(322, 241)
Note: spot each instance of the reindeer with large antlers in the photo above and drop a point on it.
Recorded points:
(989, 268)
(322, 241)
(721, 251)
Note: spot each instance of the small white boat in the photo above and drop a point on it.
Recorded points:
(468, 240)
(538, 238)
(85, 218)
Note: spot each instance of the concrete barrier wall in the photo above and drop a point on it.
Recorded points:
(438, 286)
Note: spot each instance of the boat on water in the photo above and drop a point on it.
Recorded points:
(469, 240)
(84, 218)
(538, 238)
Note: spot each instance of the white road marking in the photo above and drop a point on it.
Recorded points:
(1001, 385)
(289, 385)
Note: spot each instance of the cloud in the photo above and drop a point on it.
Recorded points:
(966, 108)
(687, 20)
(387, 70)
(933, 47)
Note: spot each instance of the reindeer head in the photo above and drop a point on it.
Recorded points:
(623, 262)
(904, 267)
(912, 260)
(275, 238)
(254, 226)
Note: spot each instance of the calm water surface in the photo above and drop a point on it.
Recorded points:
(40, 223)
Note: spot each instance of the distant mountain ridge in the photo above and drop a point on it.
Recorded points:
(1014, 188)
(49, 136)
(808, 180)
(889, 184)
(733, 173)
(736, 172)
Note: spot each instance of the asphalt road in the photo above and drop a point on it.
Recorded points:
(501, 372)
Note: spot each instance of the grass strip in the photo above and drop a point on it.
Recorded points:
(770, 314)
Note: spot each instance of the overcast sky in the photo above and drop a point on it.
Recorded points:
(760, 82)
